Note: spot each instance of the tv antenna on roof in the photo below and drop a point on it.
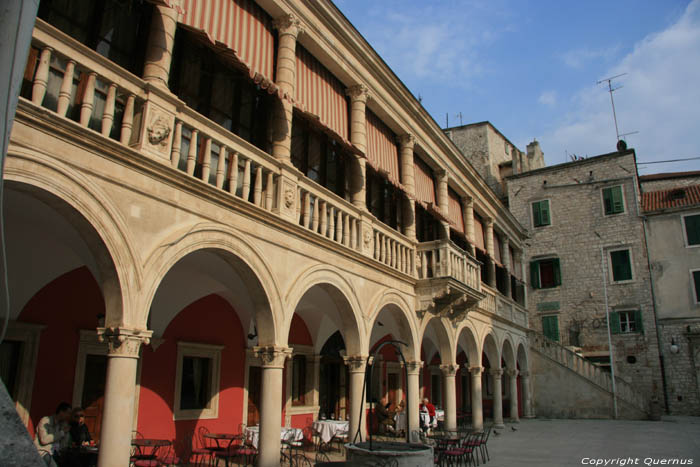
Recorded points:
(612, 101)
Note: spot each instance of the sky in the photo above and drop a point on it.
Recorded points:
(530, 67)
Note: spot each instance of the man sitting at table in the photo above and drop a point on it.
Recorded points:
(384, 418)
(52, 437)
(80, 437)
(427, 408)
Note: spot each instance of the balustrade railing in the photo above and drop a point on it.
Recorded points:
(442, 258)
(393, 249)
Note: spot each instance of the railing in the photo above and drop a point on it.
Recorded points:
(442, 258)
(65, 77)
(393, 250)
(499, 305)
(586, 369)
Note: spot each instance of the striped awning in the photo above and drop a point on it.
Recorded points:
(454, 211)
(479, 233)
(425, 184)
(382, 153)
(320, 93)
(239, 26)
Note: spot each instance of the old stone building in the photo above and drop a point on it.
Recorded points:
(586, 249)
(493, 155)
(217, 210)
(671, 208)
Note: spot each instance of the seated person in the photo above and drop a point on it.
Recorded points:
(52, 435)
(80, 436)
(384, 418)
(429, 421)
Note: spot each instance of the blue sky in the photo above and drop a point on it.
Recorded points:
(530, 67)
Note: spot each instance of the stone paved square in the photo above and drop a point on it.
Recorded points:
(542, 442)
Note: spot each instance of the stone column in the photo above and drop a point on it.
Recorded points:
(527, 398)
(159, 49)
(442, 201)
(497, 375)
(449, 371)
(491, 266)
(513, 390)
(289, 28)
(315, 379)
(408, 180)
(357, 364)
(505, 255)
(477, 407)
(358, 137)
(413, 396)
(120, 387)
(468, 214)
(272, 359)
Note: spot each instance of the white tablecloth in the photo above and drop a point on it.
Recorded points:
(440, 414)
(327, 429)
(252, 434)
(400, 421)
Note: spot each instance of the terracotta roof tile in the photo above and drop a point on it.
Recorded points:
(674, 198)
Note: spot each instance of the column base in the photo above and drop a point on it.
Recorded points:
(514, 420)
(499, 426)
(529, 416)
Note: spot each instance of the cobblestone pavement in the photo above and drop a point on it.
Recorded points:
(541, 442)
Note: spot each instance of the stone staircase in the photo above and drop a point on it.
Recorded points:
(587, 372)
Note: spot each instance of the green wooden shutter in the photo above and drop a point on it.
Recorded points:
(557, 271)
(535, 274)
(638, 320)
(621, 265)
(536, 215)
(544, 212)
(614, 322)
(617, 203)
(607, 201)
(696, 280)
(550, 327)
(692, 229)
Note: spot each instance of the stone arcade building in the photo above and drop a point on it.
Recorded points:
(251, 203)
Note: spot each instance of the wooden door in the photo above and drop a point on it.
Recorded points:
(393, 386)
(93, 396)
(254, 390)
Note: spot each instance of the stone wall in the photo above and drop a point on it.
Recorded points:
(681, 368)
(577, 232)
(669, 183)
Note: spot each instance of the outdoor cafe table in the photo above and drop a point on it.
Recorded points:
(252, 434)
(223, 442)
(327, 429)
(147, 449)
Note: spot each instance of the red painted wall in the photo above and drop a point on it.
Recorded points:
(298, 332)
(209, 320)
(298, 335)
(66, 305)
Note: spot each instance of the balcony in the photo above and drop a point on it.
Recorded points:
(449, 279)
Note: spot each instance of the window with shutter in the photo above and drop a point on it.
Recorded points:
(696, 285)
(545, 273)
(550, 327)
(621, 265)
(692, 229)
(613, 201)
(614, 322)
(540, 213)
(535, 274)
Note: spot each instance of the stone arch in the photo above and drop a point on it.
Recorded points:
(507, 353)
(343, 295)
(91, 212)
(522, 357)
(397, 305)
(467, 340)
(444, 336)
(491, 349)
(246, 260)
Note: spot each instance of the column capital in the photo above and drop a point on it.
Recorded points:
(413, 367)
(476, 370)
(467, 199)
(407, 140)
(449, 369)
(524, 374)
(356, 363)
(124, 342)
(358, 92)
(271, 356)
(512, 373)
(288, 24)
(489, 222)
(441, 174)
(497, 372)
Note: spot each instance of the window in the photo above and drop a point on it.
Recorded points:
(319, 157)
(628, 321)
(696, 285)
(550, 327)
(197, 381)
(545, 273)
(210, 85)
(620, 265)
(540, 213)
(298, 380)
(384, 200)
(613, 201)
(692, 229)
(115, 29)
(10, 355)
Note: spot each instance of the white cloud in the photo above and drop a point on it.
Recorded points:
(660, 99)
(548, 98)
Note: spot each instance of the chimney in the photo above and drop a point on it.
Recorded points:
(535, 156)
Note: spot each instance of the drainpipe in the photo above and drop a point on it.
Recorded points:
(607, 321)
